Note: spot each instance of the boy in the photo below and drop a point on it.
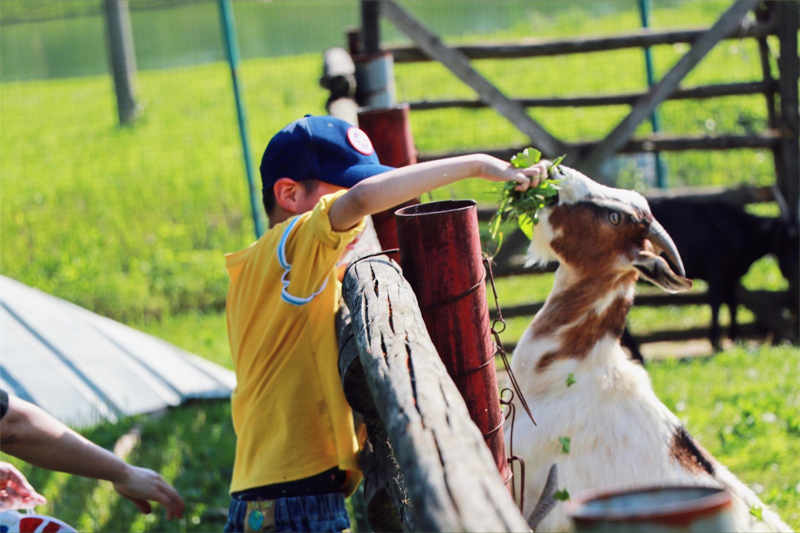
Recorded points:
(296, 445)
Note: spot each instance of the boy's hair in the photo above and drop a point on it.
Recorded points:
(268, 194)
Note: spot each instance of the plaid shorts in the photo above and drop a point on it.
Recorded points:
(317, 512)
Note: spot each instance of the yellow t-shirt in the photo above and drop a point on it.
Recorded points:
(289, 412)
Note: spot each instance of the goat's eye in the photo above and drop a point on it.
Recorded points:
(614, 217)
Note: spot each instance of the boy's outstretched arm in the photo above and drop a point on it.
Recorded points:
(388, 189)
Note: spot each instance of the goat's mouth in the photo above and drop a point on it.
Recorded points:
(659, 272)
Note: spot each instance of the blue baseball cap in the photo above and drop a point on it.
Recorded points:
(323, 148)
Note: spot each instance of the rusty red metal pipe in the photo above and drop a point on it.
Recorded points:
(390, 132)
(441, 258)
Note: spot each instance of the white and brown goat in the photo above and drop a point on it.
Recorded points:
(622, 435)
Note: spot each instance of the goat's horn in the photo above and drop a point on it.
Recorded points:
(661, 240)
(781, 201)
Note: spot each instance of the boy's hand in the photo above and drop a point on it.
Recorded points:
(498, 170)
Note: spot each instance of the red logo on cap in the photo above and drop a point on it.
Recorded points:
(359, 140)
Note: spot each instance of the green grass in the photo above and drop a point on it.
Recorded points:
(133, 223)
(743, 406)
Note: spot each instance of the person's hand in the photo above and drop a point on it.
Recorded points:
(498, 170)
(15, 491)
(142, 485)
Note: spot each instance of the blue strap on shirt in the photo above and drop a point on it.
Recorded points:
(287, 267)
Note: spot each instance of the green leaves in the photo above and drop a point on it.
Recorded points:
(554, 167)
(561, 495)
(570, 379)
(565, 442)
(526, 158)
(758, 512)
(523, 207)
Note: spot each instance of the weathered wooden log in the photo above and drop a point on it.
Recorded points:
(532, 48)
(384, 487)
(700, 92)
(450, 476)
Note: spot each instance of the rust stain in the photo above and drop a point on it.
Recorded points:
(689, 454)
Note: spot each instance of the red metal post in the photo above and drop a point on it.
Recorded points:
(441, 259)
(390, 132)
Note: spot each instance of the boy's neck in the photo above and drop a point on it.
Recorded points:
(278, 215)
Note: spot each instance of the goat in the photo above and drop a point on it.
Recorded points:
(622, 435)
(718, 243)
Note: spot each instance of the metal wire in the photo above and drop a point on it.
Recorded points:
(498, 343)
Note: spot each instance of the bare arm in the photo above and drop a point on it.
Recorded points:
(396, 186)
(33, 435)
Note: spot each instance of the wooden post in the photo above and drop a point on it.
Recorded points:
(789, 178)
(370, 26)
(450, 477)
(764, 14)
(788, 20)
(374, 68)
(122, 58)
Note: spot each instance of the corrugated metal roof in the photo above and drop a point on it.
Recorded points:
(84, 368)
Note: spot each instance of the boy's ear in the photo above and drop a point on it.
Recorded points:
(287, 194)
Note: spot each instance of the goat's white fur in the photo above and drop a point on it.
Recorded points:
(620, 431)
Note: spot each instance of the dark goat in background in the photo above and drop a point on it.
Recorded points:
(718, 243)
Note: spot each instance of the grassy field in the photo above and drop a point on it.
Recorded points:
(743, 405)
(133, 223)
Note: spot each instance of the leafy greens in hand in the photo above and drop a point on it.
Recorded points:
(523, 206)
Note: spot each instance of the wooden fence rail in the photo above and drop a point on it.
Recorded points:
(699, 92)
(753, 300)
(777, 20)
(652, 143)
(447, 475)
(408, 54)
